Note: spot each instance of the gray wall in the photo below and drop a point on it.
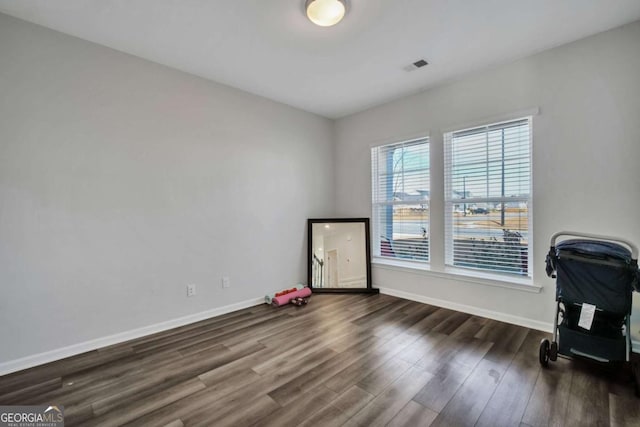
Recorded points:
(586, 154)
(121, 181)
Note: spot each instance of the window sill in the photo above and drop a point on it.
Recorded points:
(459, 274)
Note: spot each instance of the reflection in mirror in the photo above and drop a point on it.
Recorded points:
(339, 255)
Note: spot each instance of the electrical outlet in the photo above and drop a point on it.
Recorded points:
(226, 282)
(191, 290)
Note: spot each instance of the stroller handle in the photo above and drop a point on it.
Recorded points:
(634, 248)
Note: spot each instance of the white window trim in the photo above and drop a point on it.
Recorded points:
(522, 283)
(478, 277)
(448, 248)
(374, 220)
(502, 118)
(403, 138)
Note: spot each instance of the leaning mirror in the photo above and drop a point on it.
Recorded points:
(339, 255)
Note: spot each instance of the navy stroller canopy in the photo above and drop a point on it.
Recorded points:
(596, 272)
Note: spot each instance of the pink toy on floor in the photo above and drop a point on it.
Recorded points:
(284, 299)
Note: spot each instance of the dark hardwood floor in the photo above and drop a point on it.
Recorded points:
(353, 360)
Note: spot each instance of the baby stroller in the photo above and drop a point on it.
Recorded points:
(595, 276)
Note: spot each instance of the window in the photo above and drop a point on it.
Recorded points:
(488, 197)
(400, 174)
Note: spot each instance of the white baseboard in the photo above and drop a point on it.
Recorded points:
(75, 349)
(495, 315)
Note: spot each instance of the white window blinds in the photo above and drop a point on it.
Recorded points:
(400, 189)
(487, 197)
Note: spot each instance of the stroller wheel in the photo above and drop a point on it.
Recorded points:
(544, 352)
(553, 351)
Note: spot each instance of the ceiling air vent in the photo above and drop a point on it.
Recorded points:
(418, 64)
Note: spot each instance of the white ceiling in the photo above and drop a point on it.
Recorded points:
(269, 48)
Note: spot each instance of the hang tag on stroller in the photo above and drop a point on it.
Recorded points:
(587, 313)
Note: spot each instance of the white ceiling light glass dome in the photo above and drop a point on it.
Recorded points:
(325, 13)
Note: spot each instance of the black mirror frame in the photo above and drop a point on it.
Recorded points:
(369, 289)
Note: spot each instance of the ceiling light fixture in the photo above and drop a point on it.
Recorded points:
(325, 13)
